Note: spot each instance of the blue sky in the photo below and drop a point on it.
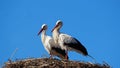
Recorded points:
(95, 23)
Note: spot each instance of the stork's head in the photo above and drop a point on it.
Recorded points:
(58, 25)
(43, 27)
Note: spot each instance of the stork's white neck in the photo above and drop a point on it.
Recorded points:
(56, 35)
(43, 36)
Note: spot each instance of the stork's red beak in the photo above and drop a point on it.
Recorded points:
(54, 27)
(40, 31)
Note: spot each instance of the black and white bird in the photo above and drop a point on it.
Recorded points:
(49, 45)
(66, 41)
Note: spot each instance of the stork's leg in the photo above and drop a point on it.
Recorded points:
(66, 56)
(51, 56)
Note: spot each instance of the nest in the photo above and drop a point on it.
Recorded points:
(52, 63)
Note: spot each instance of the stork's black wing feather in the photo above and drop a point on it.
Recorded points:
(59, 50)
(75, 44)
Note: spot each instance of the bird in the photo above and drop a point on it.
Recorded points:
(49, 45)
(68, 42)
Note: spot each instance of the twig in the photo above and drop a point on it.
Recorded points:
(10, 59)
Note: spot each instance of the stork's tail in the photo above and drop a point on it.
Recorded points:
(93, 58)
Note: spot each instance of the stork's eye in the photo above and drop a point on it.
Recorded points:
(45, 27)
(59, 22)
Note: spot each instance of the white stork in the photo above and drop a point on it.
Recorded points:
(49, 44)
(67, 42)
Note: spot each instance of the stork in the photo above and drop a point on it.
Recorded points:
(49, 44)
(66, 41)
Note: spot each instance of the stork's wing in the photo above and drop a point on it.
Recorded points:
(60, 51)
(74, 44)
(56, 49)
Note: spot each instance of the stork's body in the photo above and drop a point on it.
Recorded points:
(67, 42)
(49, 45)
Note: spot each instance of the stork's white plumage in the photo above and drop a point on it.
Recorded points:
(67, 42)
(49, 45)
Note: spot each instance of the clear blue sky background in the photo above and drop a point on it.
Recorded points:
(95, 23)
